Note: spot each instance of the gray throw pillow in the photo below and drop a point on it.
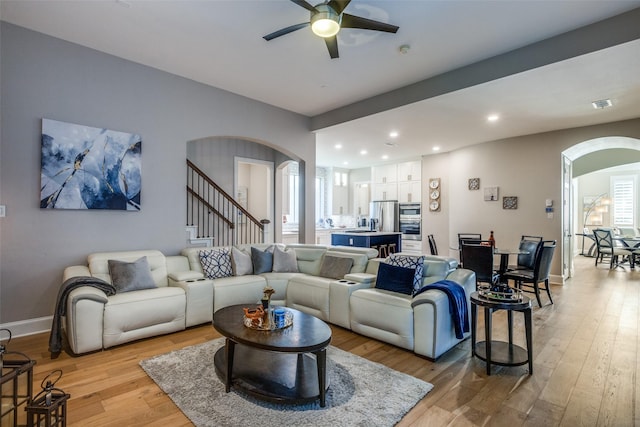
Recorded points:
(241, 262)
(335, 267)
(285, 261)
(130, 276)
(262, 260)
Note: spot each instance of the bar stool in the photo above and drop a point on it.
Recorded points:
(392, 248)
(384, 251)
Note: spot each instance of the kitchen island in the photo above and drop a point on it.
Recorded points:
(367, 239)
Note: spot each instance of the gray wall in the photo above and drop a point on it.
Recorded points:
(44, 77)
(214, 156)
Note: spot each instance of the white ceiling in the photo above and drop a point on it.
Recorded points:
(220, 43)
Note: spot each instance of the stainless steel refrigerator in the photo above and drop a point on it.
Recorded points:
(384, 215)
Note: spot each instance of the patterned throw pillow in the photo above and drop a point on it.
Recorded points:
(216, 262)
(409, 261)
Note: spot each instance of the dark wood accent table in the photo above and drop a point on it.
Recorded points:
(499, 352)
(277, 366)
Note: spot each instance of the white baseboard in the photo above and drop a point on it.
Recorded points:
(23, 328)
(556, 279)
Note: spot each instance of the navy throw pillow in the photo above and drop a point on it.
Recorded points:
(394, 278)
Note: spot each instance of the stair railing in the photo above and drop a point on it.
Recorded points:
(216, 214)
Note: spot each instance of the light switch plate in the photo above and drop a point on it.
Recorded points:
(3, 211)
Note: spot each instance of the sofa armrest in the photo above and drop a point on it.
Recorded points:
(75, 271)
(84, 319)
(186, 276)
(339, 295)
(465, 278)
(360, 277)
(434, 332)
(199, 297)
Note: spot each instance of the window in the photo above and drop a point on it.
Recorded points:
(623, 191)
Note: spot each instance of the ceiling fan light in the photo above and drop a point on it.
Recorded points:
(326, 22)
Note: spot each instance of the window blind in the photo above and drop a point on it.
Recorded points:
(623, 201)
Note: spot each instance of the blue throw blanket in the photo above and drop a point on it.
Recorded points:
(457, 304)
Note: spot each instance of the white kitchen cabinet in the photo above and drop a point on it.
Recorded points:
(323, 237)
(412, 247)
(340, 201)
(385, 191)
(361, 198)
(340, 192)
(385, 174)
(410, 171)
(410, 192)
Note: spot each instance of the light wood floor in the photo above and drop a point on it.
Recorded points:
(586, 364)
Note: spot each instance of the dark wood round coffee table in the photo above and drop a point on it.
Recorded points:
(285, 366)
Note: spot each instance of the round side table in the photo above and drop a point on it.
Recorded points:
(499, 352)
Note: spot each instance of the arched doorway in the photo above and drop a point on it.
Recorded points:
(589, 156)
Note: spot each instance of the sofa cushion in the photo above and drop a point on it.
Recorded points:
(241, 263)
(335, 267)
(131, 276)
(216, 262)
(284, 261)
(395, 278)
(262, 260)
(416, 263)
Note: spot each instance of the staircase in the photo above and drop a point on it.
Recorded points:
(213, 216)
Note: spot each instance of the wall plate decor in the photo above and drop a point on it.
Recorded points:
(509, 202)
(434, 194)
(89, 168)
(474, 183)
(491, 194)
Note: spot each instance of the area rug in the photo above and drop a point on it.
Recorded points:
(361, 392)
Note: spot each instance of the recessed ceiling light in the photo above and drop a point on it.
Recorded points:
(436, 148)
(385, 157)
(393, 134)
(338, 146)
(601, 103)
(345, 163)
(493, 117)
(363, 152)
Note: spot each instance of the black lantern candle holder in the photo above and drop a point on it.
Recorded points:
(49, 407)
(16, 383)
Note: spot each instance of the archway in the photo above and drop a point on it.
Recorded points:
(588, 150)
(221, 158)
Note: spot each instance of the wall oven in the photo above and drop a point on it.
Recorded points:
(410, 221)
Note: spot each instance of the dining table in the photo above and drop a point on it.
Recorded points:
(504, 259)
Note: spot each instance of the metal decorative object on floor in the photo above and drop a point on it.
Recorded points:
(49, 407)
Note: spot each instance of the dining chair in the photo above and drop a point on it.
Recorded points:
(432, 245)
(607, 248)
(528, 281)
(529, 245)
(479, 259)
(472, 237)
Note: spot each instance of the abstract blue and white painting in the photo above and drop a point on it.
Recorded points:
(84, 167)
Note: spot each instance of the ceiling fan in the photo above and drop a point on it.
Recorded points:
(327, 19)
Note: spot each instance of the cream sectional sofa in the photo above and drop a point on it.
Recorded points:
(184, 297)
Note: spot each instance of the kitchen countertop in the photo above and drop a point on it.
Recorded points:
(367, 233)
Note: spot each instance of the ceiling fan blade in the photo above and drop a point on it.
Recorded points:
(332, 45)
(351, 21)
(338, 5)
(287, 30)
(306, 5)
